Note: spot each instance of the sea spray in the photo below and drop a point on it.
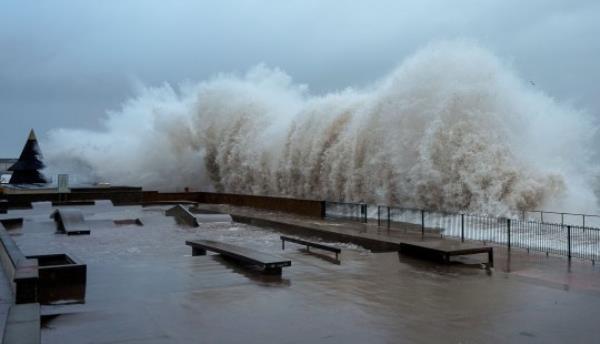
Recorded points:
(450, 128)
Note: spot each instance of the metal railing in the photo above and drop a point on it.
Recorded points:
(583, 220)
(352, 211)
(564, 238)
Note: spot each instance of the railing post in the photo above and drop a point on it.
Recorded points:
(508, 233)
(378, 216)
(389, 218)
(364, 211)
(462, 227)
(569, 242)
(422, 223)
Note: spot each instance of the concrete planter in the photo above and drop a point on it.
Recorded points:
(62, 279)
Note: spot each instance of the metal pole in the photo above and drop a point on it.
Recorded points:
(508, 233)
(378, 216)
(541, 216)
(569, 242)
(389, 218)
(462, 227)
(422, 223)
(365, 213)
(562, 219)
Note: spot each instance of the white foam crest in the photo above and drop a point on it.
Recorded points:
(451, 128)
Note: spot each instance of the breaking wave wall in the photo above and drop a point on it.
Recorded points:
(452, 127)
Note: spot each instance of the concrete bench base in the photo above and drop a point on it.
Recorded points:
(444, 249)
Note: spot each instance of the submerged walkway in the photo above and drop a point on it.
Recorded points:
(555, 271)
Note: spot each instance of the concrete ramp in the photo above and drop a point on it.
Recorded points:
(183, 215)
(209, 218)
(70, 221)
(103, 204)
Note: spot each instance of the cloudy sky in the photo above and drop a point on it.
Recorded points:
(64, 63)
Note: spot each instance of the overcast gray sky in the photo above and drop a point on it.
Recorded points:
(64, 63)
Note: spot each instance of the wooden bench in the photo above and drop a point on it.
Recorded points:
(444, 249)
(309, 244)
(70, 221)
(270, 264)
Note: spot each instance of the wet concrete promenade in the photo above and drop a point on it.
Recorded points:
(556, 270)
(6, 298)
(144, 286)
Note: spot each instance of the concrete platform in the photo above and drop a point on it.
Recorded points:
(444, 249)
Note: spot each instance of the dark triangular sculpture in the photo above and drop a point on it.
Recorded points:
(25, 170)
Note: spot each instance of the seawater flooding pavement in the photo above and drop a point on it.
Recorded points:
(144, 286)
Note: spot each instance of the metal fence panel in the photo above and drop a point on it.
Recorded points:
(571, 235)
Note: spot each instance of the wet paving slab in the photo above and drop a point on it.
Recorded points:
(144, 286)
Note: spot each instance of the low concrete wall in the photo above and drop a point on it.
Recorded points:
(117, 197)
(22, 324)
(20, 271)
(288, 205)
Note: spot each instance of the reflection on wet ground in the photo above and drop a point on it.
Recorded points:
(144, 286)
